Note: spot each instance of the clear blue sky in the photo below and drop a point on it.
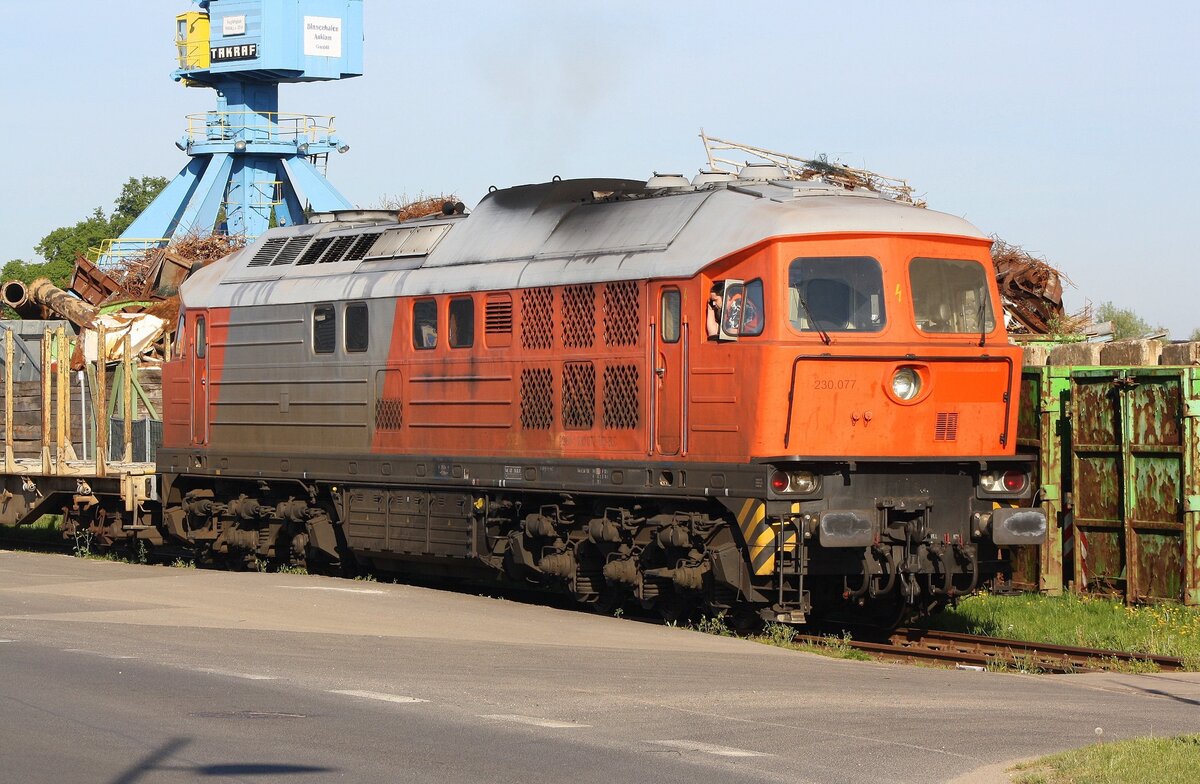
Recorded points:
(1071, 128)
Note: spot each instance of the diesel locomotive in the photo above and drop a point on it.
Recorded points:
(746, 393)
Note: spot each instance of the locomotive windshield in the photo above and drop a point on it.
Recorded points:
(836, 294)
(951, 295)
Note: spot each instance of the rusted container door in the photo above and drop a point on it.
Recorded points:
(199, 354)
(668, 372)
(1133, 447)
(1039, 434)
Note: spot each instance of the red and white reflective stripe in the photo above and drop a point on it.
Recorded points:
(1083, 554)
(1069, 534)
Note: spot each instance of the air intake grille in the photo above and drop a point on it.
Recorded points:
(537, 398)
(579, 395)
(267, 252)
(537, 318)
(389, 410)
(621, 409)
(295, 246)
(947, 426)
(337, 249)
(314, 251)
(621, 321)
(579, 317)
(498, 314)
(360, 247)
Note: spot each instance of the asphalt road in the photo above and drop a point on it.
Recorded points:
(120, 674)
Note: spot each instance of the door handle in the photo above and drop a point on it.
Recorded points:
(660, 372)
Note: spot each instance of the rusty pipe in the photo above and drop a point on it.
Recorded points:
(43, 292)
(15, 294)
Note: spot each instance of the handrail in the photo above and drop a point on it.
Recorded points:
(260, 127)
(111, 252)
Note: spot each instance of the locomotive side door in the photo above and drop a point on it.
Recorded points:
(199, 357)
(668, 371)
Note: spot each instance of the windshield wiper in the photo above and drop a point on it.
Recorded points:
(824, 335)
(983, 330)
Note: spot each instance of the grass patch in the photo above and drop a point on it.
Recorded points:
(1142, 760)
(1085, 621)
(780, 635)
(45, 530)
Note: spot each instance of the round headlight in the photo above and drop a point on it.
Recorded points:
(804, 482)
(906, 383)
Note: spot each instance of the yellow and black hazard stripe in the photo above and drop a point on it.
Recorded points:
(762, 535)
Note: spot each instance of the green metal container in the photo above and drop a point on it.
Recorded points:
(1133, 444)
(1041, 431)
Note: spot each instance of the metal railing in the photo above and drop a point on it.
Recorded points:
(123, 251)
(260, 128)
(799, 168)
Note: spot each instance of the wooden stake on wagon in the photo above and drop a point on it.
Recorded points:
(9, 458)
(127, 391)
(47, 402)
(101, 404)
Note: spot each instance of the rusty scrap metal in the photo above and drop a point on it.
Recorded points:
(92, 284)
(43, 292)
(1032, 290)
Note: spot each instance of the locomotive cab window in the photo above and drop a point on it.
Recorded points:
(836, 294)
(670, 316)
(201, 338)
(951, 296)
(324, 329)
(462, 322)
(358, 327)
(752, 309)
(425, 323)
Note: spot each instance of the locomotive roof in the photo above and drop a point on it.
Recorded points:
(560, 232)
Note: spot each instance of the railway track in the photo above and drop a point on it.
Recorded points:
(969, 650)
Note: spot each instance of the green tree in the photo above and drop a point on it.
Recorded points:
(63, 245)
(1126, 323)
(1195, 336)
(135, 197)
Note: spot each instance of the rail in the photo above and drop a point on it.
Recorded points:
(998, 653)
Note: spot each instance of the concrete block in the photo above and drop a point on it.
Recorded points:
(1078, 354)
(1035, 356)
(1131, 353)
(1180, 354)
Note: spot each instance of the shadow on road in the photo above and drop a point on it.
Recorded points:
(158, 760)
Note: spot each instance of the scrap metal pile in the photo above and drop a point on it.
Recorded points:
(135, 298)
(1032, 292)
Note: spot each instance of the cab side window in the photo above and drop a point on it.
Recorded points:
(324, 329)
(462, 322)
(358, 327)
(201, 338)
(425, 326)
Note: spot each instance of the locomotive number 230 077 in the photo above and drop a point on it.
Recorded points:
(833, 383)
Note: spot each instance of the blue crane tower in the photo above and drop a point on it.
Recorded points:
(250, 164)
